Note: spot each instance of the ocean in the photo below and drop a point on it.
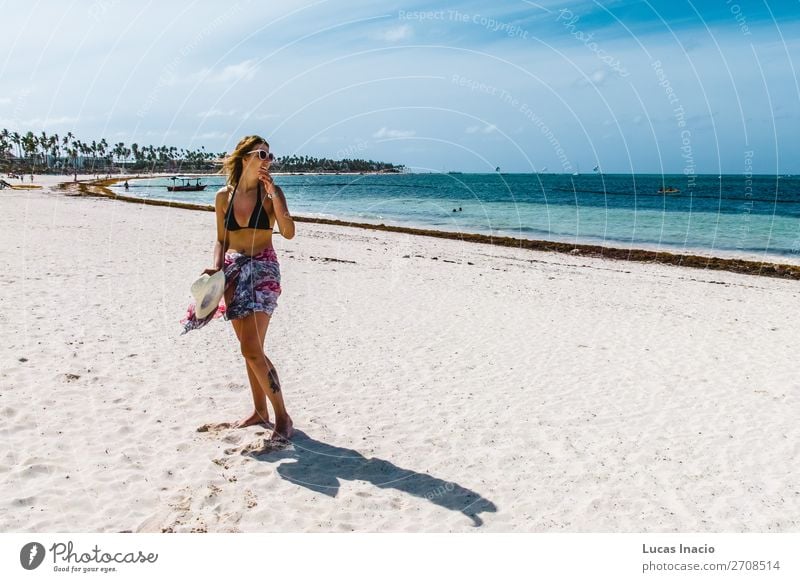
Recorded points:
(731, 215)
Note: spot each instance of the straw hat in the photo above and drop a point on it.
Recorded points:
(207, 291)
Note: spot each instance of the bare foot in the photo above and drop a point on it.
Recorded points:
(283, 430)
(255, 418)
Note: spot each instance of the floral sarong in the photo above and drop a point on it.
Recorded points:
(257, 285)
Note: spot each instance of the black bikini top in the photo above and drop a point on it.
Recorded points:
(259, 219)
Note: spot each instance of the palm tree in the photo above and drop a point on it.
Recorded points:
(41, 142)
(17, 141)
(29, 144)
(65, 141)
(53, 148)
(5, 144)
(93, 149)
(102, 149)
(76, 148)
(118, 150)
(72, 152)
(86, 149)
(137, 154)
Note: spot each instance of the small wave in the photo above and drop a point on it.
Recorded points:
(676, 196)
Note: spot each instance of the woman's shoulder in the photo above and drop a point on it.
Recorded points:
(223, 195)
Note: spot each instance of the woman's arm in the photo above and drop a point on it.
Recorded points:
(221, 244)
(282, 216)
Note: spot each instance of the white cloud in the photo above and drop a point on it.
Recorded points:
(244, 71)
(138, 137)
(213, 135)
(636, 119)
(395, 34)
(216, 113)
(249, 114)
(63, 120)
(30, 124)
(384, 132)
(488, 128)
(597, 78)
(162, 134)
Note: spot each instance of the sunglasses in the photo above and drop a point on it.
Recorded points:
(262, 155)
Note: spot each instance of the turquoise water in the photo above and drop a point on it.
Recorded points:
(733, 214)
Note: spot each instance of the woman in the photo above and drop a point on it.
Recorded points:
(244, 250)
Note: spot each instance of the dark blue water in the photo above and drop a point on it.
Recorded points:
(755, 215)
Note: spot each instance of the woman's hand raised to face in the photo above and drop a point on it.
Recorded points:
(266, 179)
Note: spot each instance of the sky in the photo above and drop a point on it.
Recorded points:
(656, 86)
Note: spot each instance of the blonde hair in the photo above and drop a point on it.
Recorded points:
(233, 162)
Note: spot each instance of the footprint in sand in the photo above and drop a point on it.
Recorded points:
(215, 427)
(221, 463)
(232, 439)
(259, 447)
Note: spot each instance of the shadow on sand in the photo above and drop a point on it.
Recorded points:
(321, 467)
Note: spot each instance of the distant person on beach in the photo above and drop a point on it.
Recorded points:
(246, 209)
(126, 185)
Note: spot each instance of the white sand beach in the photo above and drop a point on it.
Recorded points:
(435, 385)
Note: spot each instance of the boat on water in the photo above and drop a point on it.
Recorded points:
(186, 185)
(668, 190)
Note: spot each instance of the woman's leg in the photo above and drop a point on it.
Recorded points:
(254, 331)
(260, 411)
